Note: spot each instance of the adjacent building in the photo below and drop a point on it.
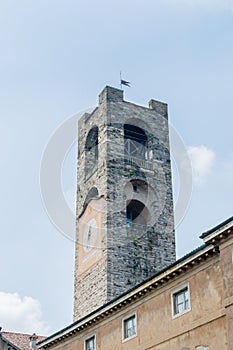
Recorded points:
(18, 341)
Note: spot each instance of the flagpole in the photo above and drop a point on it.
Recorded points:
(120, 80)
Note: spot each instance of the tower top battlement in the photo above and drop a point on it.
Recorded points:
(112, 94)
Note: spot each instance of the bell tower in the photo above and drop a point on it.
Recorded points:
(125, 222)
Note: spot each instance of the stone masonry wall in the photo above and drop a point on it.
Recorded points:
(132, 253)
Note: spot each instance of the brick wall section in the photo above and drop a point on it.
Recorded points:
(130, 254)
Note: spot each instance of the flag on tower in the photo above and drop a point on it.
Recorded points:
(124, 82)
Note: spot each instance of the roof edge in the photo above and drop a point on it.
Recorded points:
(215, 231)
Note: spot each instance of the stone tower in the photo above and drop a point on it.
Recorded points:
(125, 223)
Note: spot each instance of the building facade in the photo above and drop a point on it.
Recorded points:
(125, 222)
(186, 306)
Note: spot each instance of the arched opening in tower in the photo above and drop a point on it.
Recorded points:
(135, 141)
(91, 151)
(136, 213)
(92, 193)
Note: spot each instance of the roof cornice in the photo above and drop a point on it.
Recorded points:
(218, 233)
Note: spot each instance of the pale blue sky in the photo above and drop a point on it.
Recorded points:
(56, 56)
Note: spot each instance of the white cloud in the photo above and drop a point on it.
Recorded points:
(21, 314)
(202, 160)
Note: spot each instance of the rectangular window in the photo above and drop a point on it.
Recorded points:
(180, 301)
(90, 343)
(129, 327)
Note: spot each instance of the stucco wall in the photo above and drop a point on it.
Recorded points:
(205, 324)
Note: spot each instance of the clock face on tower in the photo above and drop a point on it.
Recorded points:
(90, 235)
